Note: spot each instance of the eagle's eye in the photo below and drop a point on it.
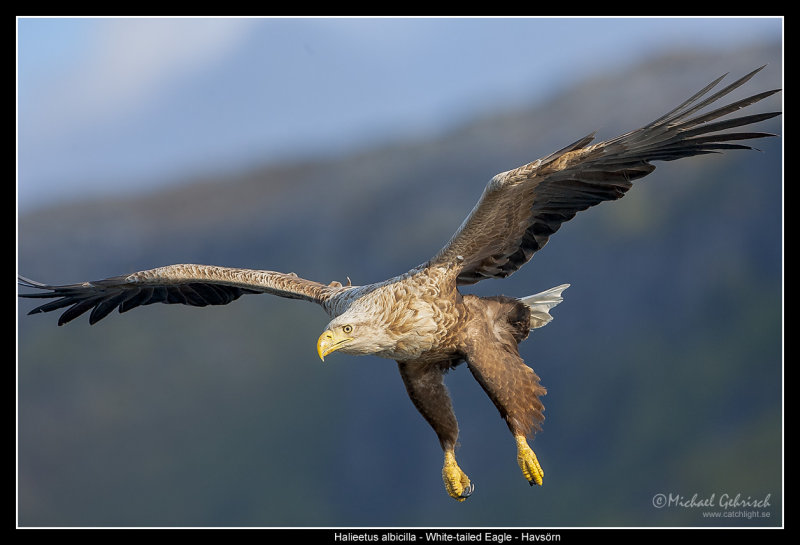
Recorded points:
(347, 329)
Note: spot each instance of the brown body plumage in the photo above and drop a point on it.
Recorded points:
(419, 318)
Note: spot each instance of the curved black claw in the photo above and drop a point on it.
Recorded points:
(467, 492)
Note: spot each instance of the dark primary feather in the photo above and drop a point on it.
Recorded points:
(520, 209)
(103, 296)
(182, 284)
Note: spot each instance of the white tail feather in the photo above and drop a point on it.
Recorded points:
(541, 303)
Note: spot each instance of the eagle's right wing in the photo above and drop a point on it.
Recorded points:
(195, 285)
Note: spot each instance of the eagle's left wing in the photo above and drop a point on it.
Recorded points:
(195, 285)
(521, 208)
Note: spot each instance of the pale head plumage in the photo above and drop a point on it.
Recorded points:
(355, 332)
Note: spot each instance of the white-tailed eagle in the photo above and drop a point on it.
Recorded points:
(419, 318)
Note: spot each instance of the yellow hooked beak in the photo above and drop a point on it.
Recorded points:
(330, 341)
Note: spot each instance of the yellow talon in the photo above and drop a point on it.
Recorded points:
(528, 463)
(456, 481)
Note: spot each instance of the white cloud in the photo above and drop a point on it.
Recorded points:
(131, 61)
(139, 56)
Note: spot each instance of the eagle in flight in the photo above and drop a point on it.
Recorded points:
(420, 318)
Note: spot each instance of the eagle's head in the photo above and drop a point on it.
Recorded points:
(353, 334)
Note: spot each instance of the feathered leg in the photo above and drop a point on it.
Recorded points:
(425, 386)
(515, 390)
(512, 386)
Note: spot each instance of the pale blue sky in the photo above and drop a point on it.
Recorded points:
(111, 105)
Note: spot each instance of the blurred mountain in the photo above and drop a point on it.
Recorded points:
(664, 363)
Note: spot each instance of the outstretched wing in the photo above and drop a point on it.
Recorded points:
(195, 285)
(521, 208)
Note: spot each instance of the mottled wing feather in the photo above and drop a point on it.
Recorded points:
(520, 209)
(194, 285)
